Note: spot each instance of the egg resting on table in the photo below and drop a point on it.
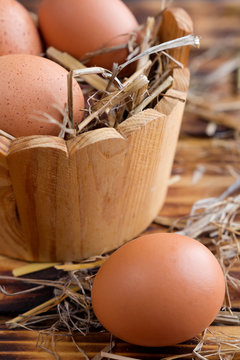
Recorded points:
(158, 290)
(79, 27)
(29, 85)
(18, 32)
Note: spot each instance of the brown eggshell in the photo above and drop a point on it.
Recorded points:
(30, 84)
(158, 290)
(80, 27)
(18, 32)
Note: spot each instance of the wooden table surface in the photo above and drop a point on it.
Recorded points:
(218, 155)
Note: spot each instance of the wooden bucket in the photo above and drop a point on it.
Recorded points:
(68, 200)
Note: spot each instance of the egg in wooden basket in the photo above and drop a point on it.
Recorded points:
(80, 27)
(30, 87)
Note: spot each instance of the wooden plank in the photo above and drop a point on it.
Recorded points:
(97, 163)
(219, 158)
(10, 226)
(22, 345)
(38, 168)
(11, 305)
(176, 23)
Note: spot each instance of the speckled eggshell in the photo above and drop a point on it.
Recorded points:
(30, 84)
(158, 290)
(82, 26)
(18, 32)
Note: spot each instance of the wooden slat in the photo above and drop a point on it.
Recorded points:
(22, 345)
(10, 226)
(38, 168)
(217, 157)
(12, 305)
(176, 23)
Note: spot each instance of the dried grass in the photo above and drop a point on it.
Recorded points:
(216, 223)
(112, 99)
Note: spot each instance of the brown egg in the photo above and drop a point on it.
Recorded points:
(18, 32)
(158, 290)
(30, 84)
(80, 27)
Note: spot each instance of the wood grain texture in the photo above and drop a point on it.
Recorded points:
(10, 227)
(20, 303)
(218, 158)
(38, 167)
(142, 171)
(176, 23)
(82, 190)
(21, 345)
(97, 160)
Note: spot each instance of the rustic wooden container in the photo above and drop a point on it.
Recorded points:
(67, 200)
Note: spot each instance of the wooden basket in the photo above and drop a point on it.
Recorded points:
(67, 200)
